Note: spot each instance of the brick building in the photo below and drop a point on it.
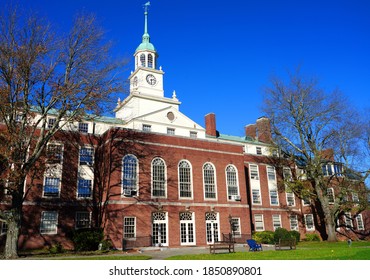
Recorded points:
(151, 176)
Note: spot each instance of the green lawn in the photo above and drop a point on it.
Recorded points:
(304, 251)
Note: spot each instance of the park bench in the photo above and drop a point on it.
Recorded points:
(285, 243)
(222, 246)
(253, 245)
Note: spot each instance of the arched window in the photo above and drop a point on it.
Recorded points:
(150, 61)
(129, 175)
(209, 181)
(232, 182)
(142, 60)
(158, 178)
(185, 179)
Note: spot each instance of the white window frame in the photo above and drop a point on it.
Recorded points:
(156, 178)
(259, 221)
(360, 222)
(236, 224)
(293, 219)
(171, 131)
(348, 220)
(52, 228)
(259, 151)
(185, 179)
(255, 184)
(51, 177)
(209, 182)
(82, 217)
(193, 134)
(147, 127)
(129, 228)
(132, 176)
(306, 224)
(83, 127)
(185, 225)
(289, 195)
(273, 191)
(88, 180)
(276, 221)
(232, 182)
(330, 195)
(355, 198)
(91, 151)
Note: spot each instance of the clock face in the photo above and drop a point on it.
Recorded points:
(151, 79)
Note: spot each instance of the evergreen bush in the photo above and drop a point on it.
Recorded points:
(87, 239)
(264, 237)
(281, 233)
(312, 237)
(295, 234)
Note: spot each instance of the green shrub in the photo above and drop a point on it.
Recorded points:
(87, 239)
(56, 248)
(281, 233)
(295, 234)
(312, 237)
(264, 237)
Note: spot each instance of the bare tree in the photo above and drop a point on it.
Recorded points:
(44, 74)
(307, 122)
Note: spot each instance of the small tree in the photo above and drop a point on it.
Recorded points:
(307, 122)
(44, 74)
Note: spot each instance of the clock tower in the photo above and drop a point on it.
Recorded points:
(146, 79)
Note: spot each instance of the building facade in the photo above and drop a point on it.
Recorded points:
(151, 176)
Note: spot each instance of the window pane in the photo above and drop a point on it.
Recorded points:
(84, 188)
(231, 181)
(129, 173)
(185, 179)
(158, 178)
(209, 181)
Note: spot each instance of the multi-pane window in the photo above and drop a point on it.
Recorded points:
(129, 228)
(274, 199)
(187, 230)
(150, 60)
(290, 199)
(49, 222)
(147, 127)
(258, 150)
(271, 173)
(338, 169)
(86, 155)
(83, 127)
(330, 194)
(209, 181)
(327, 170)
(360, 222)
(185, 179)
(142, 60)
(232, 182)
(51, 122)
(170, 131)
(258, 222)
(193, 134)
(51, 187)
(83, 220)
(256, 196)
(158, 178)
(129, 175)
(306, 201)
(348, 220)
(355, 198)
(293, 220)
(308, 218)
(54, 153)
(84, 188)
(276, 221)
(254, 172)
(235, 224)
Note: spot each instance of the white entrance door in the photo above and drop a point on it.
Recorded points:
(212, 228)
(159, 232)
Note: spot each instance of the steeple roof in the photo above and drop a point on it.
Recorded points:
(145, 44)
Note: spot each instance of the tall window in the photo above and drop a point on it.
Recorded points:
(327, 170)
(290, 199)
(51, 187)
(355, 198)
(129, 227)
(276, 221)
(83, 220)
(129, 175)
(308, 218)
(212, 227)
(86, 155)
(84, 188)
(293, 222)
(360, 222)
(49, 222)
(235, 223)
(160, 228)
(330, 194)
(209, 181)
(150, 60)
(158, 178)
(255, 184)
(187, 231)
(232, 182)
(142, 60)
(54, 153)
(258, 222)
(348, 219)
(185, 179)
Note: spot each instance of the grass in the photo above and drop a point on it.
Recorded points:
(304, 251)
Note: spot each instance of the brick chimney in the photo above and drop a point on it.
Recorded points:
(264, 130)
(211, 125)
(251, 130)
(328, 154)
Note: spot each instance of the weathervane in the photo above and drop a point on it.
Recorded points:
(146, 6)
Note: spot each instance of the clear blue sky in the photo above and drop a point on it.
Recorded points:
(219, 55)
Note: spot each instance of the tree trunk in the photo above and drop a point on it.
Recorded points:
(12, 234)
(330, 224)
